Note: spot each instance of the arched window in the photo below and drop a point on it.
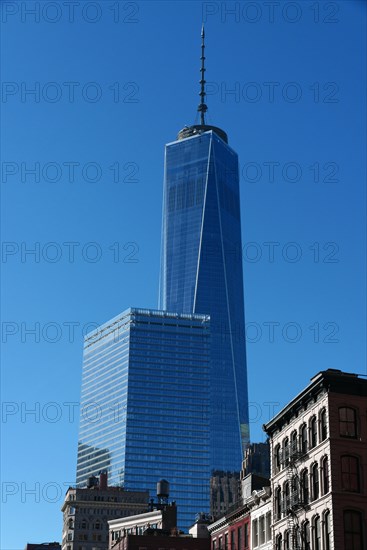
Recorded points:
(287, 497)
(305, 491)
(286, 451)
(325, 475)
(295, 490)
(327, 530)
(313, 432)
(306, 536)
(347, 422)
(294, 446)
(353, 535)
(287, 540)
(278, 542)
(277, 458)
(350, 473)
(315, 481)
(297, 537)
(323, 425)
(317, 533)
(303, 437)
(278, 503)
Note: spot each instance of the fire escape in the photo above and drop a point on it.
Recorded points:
(294, 497)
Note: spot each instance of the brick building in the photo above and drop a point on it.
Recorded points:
(248, 525)
(318, 448)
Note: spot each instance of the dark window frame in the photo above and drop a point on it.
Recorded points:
(353, 538)
(348, 426)
(349, 478)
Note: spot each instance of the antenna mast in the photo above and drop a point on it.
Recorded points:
(202, 107)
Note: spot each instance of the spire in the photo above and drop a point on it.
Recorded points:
(202, 107)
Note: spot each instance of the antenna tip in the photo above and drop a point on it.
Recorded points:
(202, 31)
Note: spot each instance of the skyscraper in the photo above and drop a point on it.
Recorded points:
(164, 394)
(201, 269)
(145, 406)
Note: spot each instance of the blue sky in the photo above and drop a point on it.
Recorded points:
(114, 82)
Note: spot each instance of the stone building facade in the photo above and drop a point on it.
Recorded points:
(318, 448)
(86, 512)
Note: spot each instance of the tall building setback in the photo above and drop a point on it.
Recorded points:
(145, 405)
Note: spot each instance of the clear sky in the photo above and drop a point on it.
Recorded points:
(113, 82)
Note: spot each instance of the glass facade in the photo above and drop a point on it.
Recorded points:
(145, 406)
(201, 272)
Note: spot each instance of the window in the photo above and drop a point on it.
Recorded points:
(255, 533)
(294, 490)
(313, 432)
(304, 487)
(317, 533)
(327, 529)
(70, 536)
(220, 543)
(233, 546)
(297, 538)
(278, 503)
(287, 497)
(278, 542)
(325, 475)
(268, 526)
(304, 439)
(226, 541)
(347, 422)
(315, 481)
(214, 544)
(350, 473)
(294, 443)
(239, 538)
(277, 458)
(246, 535)
(353, 536)
(262, 529)
(323, 425)
(306, 536)
(286, 451)
(287, 540)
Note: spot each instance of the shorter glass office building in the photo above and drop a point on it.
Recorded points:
(145, 406)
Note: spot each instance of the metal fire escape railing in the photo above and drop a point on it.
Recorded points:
(293, 502)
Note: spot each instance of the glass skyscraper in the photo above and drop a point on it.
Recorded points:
(145, 406)
(201, 272)
(164, 395)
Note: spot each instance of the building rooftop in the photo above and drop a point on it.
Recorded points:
(332, 380)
